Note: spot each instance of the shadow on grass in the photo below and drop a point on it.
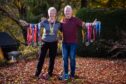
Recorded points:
(107, 57)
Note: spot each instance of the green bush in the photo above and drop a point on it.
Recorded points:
(113, 23)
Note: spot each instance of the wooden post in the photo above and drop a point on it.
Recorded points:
(1, 55)
(84, 3)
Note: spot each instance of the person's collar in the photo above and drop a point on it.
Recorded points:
(49, 20)
(69, 18)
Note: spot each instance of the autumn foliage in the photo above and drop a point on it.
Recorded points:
(88, 71)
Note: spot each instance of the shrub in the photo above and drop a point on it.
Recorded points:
(113, 23)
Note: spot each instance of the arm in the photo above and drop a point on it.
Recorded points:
(60, 32)
(83, 31)
(60, 36)
(42, 21)
(26, 24)
(83, 25)
(93, 23)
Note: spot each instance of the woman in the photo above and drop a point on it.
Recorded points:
(49, 39)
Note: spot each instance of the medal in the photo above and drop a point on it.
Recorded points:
(51, 28)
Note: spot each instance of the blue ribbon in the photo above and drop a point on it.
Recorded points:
(39, 36)
(32, 26)
(98, 28)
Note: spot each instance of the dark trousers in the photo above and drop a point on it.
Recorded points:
(52, 46)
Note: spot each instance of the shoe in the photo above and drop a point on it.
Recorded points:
(72, 78)
(64, 77)
(47, 77)
(36, 77)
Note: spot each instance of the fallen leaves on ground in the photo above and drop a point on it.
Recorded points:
(88, 71)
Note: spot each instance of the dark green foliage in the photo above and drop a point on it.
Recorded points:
(113, 23)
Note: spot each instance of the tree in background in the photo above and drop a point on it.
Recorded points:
(33, 10)
(107, 4)
(84, 3)
(29, 10)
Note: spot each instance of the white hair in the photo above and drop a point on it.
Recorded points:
(51, 8)
(67, 6)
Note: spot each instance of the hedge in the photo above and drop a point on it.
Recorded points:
(113, 23)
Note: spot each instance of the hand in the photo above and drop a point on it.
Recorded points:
(83, 40)
(94, 22)
(60, 37)
(23, 23)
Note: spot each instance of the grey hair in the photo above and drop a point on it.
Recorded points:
(51, 8)
(67, 6)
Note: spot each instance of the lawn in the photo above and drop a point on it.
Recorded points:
(88, 71)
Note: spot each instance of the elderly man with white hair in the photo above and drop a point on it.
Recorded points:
(70, 26)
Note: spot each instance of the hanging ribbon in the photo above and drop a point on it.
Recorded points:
(87, 34)
(32, 35)
(39, 34)
(32, 26)
(35, 36)
(29, 35)
(93, 32)
(98, 28)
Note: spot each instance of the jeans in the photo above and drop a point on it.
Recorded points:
(69, 49)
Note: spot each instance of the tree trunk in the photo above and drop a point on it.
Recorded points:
(24, 32)
(84, 3)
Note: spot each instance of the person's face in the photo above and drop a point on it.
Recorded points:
(68, 13)
(52, 13)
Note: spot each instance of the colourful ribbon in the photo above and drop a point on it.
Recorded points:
(98, 28)
(93, 32)
(32, 35)
(39, 35)
(35, 36)
(29, 35)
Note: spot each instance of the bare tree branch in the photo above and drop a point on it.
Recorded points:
(11, 16)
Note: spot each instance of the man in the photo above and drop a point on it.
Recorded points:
(70, 26)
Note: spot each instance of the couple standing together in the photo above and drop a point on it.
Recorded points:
(68, 26)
